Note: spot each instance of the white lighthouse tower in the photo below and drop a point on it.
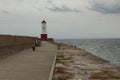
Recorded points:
(44, 30)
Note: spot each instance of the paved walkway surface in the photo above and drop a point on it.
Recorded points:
(28, 64)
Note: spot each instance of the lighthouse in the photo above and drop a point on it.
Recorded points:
(44, 30)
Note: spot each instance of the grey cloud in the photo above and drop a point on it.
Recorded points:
(49, 1)
(5, 11)
(102, 8)
(61, 9)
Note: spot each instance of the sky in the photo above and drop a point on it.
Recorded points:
(65, 18)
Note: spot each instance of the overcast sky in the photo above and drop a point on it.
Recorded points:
(65, 18)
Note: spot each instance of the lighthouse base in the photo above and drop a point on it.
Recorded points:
(44, 37)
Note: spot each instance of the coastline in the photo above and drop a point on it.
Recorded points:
(73, 63)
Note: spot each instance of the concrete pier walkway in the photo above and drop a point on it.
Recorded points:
(28, 64)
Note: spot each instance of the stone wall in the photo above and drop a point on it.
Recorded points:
(10, 44)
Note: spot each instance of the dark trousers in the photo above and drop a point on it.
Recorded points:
(33, 48)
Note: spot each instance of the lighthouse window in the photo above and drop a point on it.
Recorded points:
(43, 27)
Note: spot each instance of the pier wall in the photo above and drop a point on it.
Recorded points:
(10, 44)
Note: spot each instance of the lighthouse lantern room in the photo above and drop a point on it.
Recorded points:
(44, 30)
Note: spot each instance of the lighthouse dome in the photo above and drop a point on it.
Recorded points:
(43, 21)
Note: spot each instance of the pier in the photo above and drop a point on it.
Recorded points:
(56, 62)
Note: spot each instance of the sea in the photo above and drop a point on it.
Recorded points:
(108, 49)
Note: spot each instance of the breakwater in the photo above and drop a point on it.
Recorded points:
(73, 63)
(9, 44)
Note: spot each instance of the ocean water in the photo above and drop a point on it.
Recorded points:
(108, 49)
